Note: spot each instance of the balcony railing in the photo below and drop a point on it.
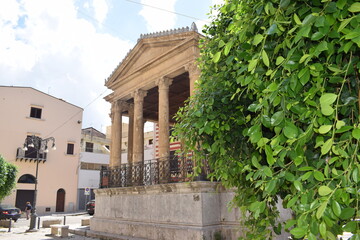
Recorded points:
(30, 155)
(151, 172)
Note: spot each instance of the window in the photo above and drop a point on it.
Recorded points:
(27, 178)
(89, 147)
(151, 141)
(70, 149)
(35, 112)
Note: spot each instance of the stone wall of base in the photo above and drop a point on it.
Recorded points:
(196, 210)
(162, 231)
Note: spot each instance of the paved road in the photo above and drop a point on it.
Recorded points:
(18, 230)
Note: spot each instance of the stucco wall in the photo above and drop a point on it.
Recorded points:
(59, 120)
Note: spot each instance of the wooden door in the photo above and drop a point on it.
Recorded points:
(60, 200)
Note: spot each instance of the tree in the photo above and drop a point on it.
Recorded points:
(276, 111)
(7, 177)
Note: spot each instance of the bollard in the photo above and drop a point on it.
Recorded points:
(38, 223)
(64, 220)
(9, 225)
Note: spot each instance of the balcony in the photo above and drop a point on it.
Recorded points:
(157, 171)
(30, 155)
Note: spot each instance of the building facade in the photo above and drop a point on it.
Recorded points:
(95, 149)
(29, 112)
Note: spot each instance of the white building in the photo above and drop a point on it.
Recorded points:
(95, 148)
(26, 112)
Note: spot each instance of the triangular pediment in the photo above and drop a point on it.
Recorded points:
(147, 51)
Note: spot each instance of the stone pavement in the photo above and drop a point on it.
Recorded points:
(19, 230)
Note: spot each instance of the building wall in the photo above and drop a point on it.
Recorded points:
(60, 120)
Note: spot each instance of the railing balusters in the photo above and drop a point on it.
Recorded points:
(151, 172)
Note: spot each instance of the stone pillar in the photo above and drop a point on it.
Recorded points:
(194, 74)
(116, 133)
(138, 133)
(131, 134)
(164, 144)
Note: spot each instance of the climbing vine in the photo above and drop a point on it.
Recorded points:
(276, 112)
(7, 177)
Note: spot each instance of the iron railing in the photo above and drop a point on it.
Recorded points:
(151, 172)
(30, 154)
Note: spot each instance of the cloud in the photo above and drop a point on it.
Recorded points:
(46, 45)
(101, 9)
(156, 19)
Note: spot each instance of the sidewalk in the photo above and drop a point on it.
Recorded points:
(19, 229)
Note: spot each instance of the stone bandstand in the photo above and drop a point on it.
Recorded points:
(154, 199)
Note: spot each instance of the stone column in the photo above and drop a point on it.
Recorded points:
(164, 144)
(131, 134)
(138, 133)
(194, 74)
(116, 133)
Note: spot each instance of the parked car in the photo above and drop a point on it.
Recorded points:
(9, 212)
(90, 207)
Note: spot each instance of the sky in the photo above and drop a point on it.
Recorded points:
(67, 48)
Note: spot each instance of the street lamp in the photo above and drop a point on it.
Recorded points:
(41, 146)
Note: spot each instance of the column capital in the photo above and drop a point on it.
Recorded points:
(164, 83)
(139, 94)
(192, 68)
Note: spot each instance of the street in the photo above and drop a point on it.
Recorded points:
(18, 229)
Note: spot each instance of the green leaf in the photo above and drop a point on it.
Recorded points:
(328, 98)
(340, 124)
(254, 206)
(272, 29)
(277, 118)
(292, 202)
(268, 172)
(298, 185)
(270, 186)
(290, 130)
(350, 227)
(344, 23)
(217, 57)
(269, 155)
(297, 19)
(356, 133)
(335, 206)
(252, 64)
(298, 232)
(355, 7)
(325, 129)
(279, 60)
(347, 213)
(227, 48)
(340, 4)
(306, 176)
(321, 209)
(303, 58)
(327, 146)
(322, 229)
(324, 190)
(319, 176)
(304, 75)
(257, 39)
(265, 58)
(327, 110)
(255, 162)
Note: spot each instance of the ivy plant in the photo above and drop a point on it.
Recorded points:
(276, 113)
(8, 173)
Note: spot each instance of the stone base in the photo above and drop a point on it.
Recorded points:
(195, 210)
(163, 231)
